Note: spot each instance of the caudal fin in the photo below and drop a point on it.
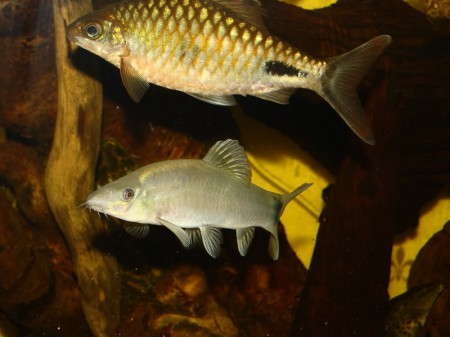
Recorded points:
(339, 83)
(286, 198)
(274, 245)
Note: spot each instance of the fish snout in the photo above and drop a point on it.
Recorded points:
(95, 202)
(92, 206)
(73, 31)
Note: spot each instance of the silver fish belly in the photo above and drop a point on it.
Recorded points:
(196, 198)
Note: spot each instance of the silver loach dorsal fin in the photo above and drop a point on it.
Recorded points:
(228, 155)
(249, 10)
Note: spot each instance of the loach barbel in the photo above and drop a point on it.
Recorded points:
(214, 49)
(195, 198)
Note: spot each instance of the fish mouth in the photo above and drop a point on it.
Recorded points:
(92, 207)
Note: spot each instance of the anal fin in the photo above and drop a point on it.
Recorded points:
(280, 96)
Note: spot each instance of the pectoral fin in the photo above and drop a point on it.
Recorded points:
(138, 231)
(134, 82)
(244, 239)
(178, 231)
(212, 239)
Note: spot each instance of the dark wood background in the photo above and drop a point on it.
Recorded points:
(378, 192)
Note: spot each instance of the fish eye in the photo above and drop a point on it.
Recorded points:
(127, 194)
(93, 30)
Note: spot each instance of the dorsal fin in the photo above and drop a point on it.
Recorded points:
(228, 155)
(249, 10)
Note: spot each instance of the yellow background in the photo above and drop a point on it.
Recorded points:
(279, 165)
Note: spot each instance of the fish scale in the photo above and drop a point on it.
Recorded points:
(214, 49)
(201, 36)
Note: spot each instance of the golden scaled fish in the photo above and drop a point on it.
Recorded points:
(214, 49)
(195, 198)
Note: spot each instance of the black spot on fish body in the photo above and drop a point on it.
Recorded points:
(278, 68)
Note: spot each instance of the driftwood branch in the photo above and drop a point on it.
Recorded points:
(70, 176)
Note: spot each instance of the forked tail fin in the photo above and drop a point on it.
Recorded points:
(274, 245)
(286, 198)
(338, 84)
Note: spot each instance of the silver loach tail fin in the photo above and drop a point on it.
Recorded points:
(343, 74)
(274, 246)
